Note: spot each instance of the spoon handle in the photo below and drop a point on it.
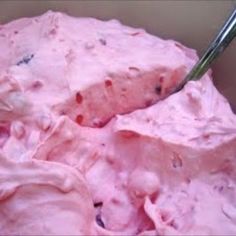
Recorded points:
(217, 46)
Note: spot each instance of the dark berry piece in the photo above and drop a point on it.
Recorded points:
(134, 68)
(98, 204)
(158, 89)
(103, 42)
(25, 60)
(99, 221)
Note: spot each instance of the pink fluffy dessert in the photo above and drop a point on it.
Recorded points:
(88, 145)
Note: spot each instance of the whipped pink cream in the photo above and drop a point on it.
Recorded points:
(87, 146)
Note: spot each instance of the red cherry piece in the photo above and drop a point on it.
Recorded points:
(4, 135)
(206, 136)
(161, 79)
(108, 83)
(99, 124)
(79, 98)
(79, 119)
(148, 103)
(135, 34)
(37, 84)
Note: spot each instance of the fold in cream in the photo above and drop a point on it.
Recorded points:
(70, 164)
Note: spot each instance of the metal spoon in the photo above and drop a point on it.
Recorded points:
(217, 46)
